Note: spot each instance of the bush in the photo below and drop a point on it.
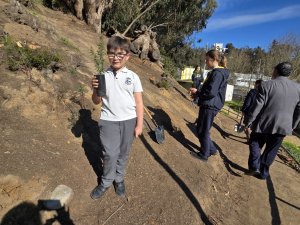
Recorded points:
(170, 67)
(164, 83)
(236, 106)
(19, 57)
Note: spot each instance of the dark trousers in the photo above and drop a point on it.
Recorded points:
(205, 121)
(264, 161)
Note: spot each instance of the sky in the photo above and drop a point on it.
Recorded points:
(251, 23)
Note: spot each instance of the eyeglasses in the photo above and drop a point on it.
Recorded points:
(119, 55)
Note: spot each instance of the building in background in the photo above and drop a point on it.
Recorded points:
(219, 47)
(248, 80)
(186, 81)
(186, 73)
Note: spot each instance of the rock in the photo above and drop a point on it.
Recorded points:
(48, 73)
(61, 197)
(55, 66)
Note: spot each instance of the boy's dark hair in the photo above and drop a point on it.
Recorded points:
(116, 42)
(284, 69)
(258, 82)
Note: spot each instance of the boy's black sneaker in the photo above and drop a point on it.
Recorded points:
(98, 192)
(120, 188)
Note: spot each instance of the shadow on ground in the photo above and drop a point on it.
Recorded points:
(179, 181)
(229, 164)
(162, 118)
(27, 213)
(226, 135)
(88, 129)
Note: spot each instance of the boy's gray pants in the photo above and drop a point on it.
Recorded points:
(116, 138)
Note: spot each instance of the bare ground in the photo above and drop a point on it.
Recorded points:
(40, 149)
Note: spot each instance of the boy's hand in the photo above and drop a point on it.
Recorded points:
(94, 82)
(138, 131)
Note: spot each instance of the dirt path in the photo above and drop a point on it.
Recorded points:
(165, 184)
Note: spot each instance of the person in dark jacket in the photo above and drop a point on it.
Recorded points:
(211, 100)
(275, 113)
(249, 100)
(197, 78)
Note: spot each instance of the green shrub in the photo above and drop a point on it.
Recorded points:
(164, 83)
(19, 57)
(236, 106)
(170, 67)
(293, 149)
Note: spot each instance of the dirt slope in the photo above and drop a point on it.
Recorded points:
(40, 149)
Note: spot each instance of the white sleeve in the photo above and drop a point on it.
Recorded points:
(137, 84)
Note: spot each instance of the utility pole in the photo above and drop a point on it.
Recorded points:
(206, 49)
(258, 70)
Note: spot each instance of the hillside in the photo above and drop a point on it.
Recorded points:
(48, 139)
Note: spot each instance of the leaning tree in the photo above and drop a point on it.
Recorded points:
(154, 23)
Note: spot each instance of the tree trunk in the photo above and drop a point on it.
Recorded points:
(154, 50)
(90, 10)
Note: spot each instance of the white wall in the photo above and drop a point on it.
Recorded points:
(229, 92)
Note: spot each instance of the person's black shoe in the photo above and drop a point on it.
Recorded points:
(98, 192)
(120, 188)
(252, 172)
(200, 156)
(259, 176)
(215, 153)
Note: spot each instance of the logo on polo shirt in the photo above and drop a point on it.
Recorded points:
(128, 81)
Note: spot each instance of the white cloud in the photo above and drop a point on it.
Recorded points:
(224, 5)
(251, 19)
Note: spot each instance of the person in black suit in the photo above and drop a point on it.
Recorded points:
(248, 102)
(197, 78)
(275, 113)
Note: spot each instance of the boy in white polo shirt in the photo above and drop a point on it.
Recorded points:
(121, 116)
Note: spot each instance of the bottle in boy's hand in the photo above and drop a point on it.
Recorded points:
(101, 90)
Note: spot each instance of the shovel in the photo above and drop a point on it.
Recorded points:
(239, 127)
(159, 129)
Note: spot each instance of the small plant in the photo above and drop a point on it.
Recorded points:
(72, 71)
(68, 43)
(73, 118)
(99, 56)
(6, 40)
(164, 83)
(82, 92)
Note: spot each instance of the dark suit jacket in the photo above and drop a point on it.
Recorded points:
(277, 107)
(249, 100)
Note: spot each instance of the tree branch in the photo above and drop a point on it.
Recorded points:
(159, 25)
(141, 14)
